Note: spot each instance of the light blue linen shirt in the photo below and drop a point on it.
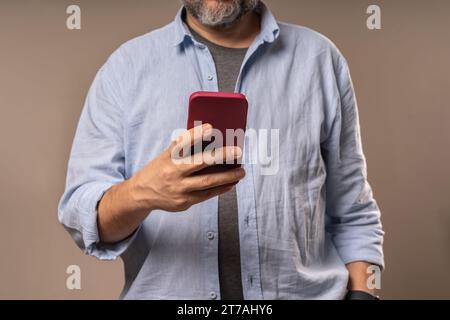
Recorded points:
(298, 228)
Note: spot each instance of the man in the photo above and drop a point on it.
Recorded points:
(309, 231)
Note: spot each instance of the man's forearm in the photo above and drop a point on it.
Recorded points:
(119, 213)
(358, 276)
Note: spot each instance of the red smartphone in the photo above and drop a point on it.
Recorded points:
(223, 111)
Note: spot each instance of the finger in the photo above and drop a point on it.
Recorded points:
(208, 158)
(200, 196)
(189, 138)
(212, 180)
(181, 147)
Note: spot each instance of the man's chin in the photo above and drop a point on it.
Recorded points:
(218, 14)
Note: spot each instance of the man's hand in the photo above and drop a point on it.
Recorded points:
(166, 183)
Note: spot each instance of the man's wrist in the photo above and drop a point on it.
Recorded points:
(141, 200)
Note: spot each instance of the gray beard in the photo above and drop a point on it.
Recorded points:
(224, 16)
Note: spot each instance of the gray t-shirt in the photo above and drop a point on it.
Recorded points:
(228, 63)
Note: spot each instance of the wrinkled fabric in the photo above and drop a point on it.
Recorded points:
(298, 227)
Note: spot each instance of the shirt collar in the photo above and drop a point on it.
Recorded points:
(269, 26)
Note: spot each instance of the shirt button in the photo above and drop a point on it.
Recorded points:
(212, 295)
(210, 77)
(210, 235)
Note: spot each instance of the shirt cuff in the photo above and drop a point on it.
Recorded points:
(366, 246)
(91, 244)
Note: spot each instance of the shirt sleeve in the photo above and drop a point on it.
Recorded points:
(353, 216)
(96, 162)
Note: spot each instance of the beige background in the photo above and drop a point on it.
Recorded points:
(401, 75)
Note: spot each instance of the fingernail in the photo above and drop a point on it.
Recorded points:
(207, 129)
